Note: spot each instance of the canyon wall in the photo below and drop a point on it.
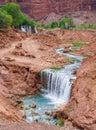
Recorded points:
(40, 9)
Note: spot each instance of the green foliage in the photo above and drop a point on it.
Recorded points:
(28, 22)
(14, 10)
(86, 55)
(60, 123)
(88, 26)
(78, 44)
(53, 25)
(5, 20)
(65, 23)
(56, 68)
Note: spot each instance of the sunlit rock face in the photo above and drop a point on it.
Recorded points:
(39, 9)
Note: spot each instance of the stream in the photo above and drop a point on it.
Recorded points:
(57, 87)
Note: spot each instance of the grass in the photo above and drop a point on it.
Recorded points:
(78, 44)
(56, 68)
(87, 26)
(85, 55)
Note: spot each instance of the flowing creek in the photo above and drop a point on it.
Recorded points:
(57, 86)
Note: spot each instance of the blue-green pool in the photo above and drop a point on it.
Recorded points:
(43, 104)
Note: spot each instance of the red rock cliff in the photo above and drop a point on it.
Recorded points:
(39, 9)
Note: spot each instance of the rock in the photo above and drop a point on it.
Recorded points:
(34, 113)
(19, 46)
(34, 105)
(81, 110)
(22, 113)
(28, 107)
(54, 114)
(74, 72)
(48, 113)
(48, 119)
(66, 50)
(46, 7)
(18, 101)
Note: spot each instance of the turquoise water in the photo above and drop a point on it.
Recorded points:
(56, 90)
(43, 104)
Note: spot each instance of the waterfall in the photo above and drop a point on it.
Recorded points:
(26, 28)
(35, 29)
(23, 29)
(58, 84)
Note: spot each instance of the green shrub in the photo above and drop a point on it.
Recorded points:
(53, 25)
(88, 26)
(27, 21)
(60, 123)
(14, 10)
(78, 44)
(66, 23)
(5, 20)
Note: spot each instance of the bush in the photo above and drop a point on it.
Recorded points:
(53, 25)
(78, 44)
(14, 10)
(60, 123)
(66, 23)
(88, 26)
(28, 22)
(5, 20)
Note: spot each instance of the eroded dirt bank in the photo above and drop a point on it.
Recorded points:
(22, 60)
(81, 110)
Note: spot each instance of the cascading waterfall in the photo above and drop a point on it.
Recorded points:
(58, 84)
(26, 28)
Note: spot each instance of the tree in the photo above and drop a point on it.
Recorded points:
(28, 22)
(5, 20)
(66, 23)
(14, 10)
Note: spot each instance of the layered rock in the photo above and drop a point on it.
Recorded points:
(40, 9)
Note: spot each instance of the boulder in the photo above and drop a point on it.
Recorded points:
(34, 105)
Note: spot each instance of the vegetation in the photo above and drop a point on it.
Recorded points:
(5, 20)
(86, 55)
(64, 23)
(60, 123)
(28, 22)
(56, 68)
(11, 15)
(88, 26)
(15, 12)
(78, 44)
